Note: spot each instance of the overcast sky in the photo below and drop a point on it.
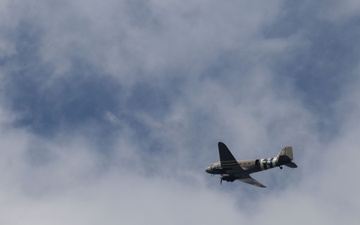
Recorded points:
(111, 110)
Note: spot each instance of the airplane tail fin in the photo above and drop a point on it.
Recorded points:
(285, 157)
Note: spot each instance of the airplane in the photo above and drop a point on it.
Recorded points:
(231, 169)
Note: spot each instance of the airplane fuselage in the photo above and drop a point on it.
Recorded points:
(249, 166)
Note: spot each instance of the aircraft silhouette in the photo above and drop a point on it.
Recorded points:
(231, 169)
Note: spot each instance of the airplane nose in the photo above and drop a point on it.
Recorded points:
(208, 169)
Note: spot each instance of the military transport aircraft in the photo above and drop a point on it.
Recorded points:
(231, 169)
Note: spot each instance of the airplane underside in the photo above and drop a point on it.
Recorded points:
(231, 169)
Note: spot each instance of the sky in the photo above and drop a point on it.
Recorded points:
(111, 110)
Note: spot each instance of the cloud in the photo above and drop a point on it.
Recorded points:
(111, 110)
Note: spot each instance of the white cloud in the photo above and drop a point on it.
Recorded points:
(345, 10)
(192, 73)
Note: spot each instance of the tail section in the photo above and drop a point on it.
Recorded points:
(291, 165)
(285, 157)
(287, 152)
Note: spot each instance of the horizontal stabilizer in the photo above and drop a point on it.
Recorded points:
(291, 165)
(252, 181)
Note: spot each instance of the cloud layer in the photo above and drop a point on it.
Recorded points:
(111, 111)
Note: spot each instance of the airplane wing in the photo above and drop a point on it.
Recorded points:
(227, 160)
(249, 180)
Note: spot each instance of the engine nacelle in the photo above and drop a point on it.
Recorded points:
(228, 178)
